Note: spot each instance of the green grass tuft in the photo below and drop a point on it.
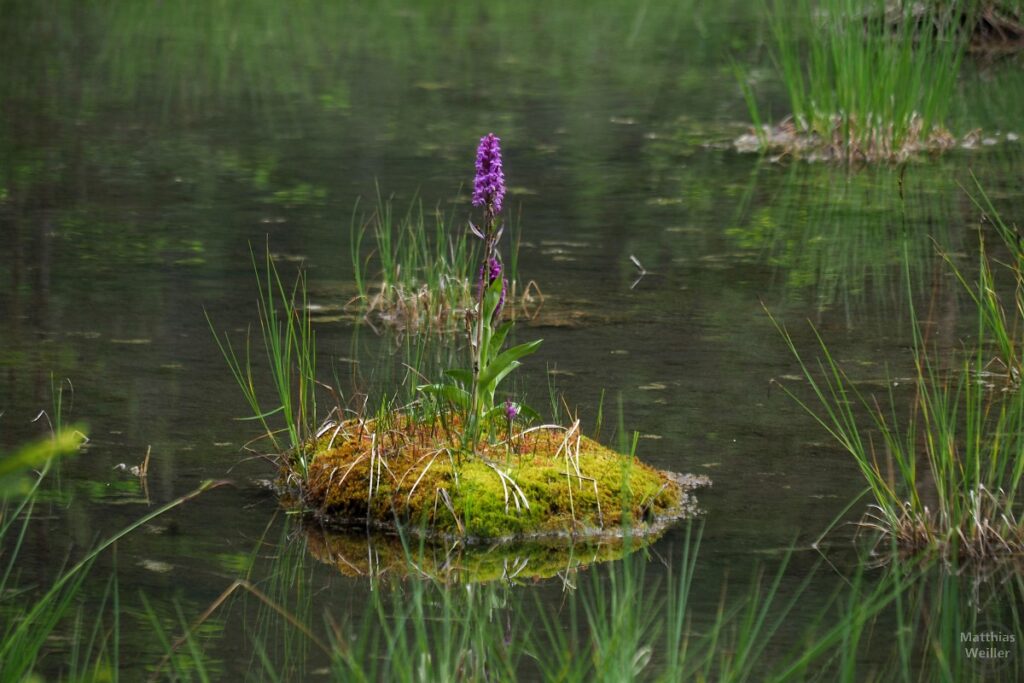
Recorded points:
(945, 476)
(864, 84)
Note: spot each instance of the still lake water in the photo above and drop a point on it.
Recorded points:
(143, 151)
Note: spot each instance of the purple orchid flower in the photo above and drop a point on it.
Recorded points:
(489, 184)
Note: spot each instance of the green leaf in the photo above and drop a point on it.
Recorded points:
(527, 413)
(498, 340)
(491, 298)
(461, 375)
(501, 375)
(448, 392)
(496, 412)
(261, 416)
(505, 359)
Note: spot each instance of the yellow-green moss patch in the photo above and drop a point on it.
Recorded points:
(545, 481)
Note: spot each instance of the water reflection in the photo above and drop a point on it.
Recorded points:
(379, 556)
(852, 240)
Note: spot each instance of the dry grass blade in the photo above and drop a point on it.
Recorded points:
(518, 492)
(423, 473)
(446, 499)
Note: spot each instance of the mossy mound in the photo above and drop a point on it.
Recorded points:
(542, 482)
(384, 556)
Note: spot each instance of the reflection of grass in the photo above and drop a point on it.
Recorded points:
(272, 610)
(176, 56)
(607, 626)
(945, 614)
(277, 644)
(840, 236)
(609, 623)
(428, 632)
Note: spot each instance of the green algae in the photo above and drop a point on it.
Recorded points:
(547, 481)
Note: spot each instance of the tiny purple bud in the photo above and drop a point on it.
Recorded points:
(511, 410)
(494, 269)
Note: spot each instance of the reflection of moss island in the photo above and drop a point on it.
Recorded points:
(547, 481)
(381, 556)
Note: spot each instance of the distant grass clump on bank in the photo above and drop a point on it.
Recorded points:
(945, 476)
(862, 86)
(419, 278)
(414, 278)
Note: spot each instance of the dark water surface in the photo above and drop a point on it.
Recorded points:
(143, 150)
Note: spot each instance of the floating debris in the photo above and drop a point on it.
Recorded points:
(565, 243)
(156, 566)
(141, 470)
(288, 258)
(519, 191)
(433, 86)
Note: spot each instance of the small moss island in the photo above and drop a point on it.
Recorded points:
(465, 459)
(545, 481)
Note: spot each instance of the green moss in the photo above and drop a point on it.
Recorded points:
(550, 482)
